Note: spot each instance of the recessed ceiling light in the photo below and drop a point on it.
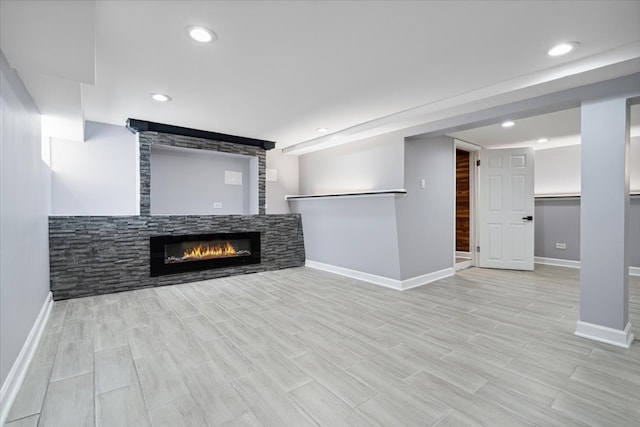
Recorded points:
(507, 124)
(201, 34)
(160, 97)
(322, 130)
(563, 48)
(543, 140)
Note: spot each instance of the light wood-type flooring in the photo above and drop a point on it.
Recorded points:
(301, 347)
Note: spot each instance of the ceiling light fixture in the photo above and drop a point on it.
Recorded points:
(160, 97)
(201, 34)
(543, 140)
(322, 130)
(507, 124)
(563, 48)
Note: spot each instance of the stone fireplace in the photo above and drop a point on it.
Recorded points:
(91, 255)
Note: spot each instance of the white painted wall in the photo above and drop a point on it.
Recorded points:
(287, 181)
(188, 182)
(371, 164)
(98, 176)
(24, 235)
(557, 170)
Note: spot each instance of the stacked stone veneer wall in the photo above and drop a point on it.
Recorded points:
(96, 255)
(146, 139)
(93, 255)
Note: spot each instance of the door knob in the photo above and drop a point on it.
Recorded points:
(528, 218)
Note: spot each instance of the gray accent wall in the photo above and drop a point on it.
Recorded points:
(399, 237)
(558, 221)
(357, 233)
(24, 196)
(147, 139)
(189, 182)
(426, 229)
(92, 255)
(370, 164)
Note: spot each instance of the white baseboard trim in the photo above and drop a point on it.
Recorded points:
(355, 274)
(461, 254)
(462, 265)
(604, 334)
(18, 371)
(633, 271)
(399, 285)
(423, 279)
(557, 262)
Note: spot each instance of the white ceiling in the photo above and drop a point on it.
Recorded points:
(282, 69)
(561, 128)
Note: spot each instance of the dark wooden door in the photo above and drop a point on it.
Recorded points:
(462, 201)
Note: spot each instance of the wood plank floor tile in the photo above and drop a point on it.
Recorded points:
(31, 421)
(281, 370)
(325, 407)
(348, 388)
(31, 395)
(114, 369)
(271, 405)
(300, 347)
(398, 390)
(160, 380)
(145, 341)
(212, 390)
(201, 327)
(69, 402)
(228, 357)
(180, 413)
(109, 335)
(73, 358)
(121, 407)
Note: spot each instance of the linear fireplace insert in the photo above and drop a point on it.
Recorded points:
(179, 254)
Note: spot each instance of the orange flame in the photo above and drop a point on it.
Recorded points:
(207, 251)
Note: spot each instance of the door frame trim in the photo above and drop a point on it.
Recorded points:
(474, 151)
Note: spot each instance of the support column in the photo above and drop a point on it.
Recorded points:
(604, 218)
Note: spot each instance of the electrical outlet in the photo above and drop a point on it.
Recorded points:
(561, 246)
(217, 205)
(423, 183)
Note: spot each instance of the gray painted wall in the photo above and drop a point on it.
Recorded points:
(24, 195)
(371, 164)
(149, 139)
(358, 233)
(604, 213)
(188, 182)
(558, 221)
(426, 216)
(287, 181)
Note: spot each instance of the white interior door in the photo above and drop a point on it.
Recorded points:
(506, 209)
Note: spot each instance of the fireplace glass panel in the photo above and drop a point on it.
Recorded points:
(199, 250)
(180, 254)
